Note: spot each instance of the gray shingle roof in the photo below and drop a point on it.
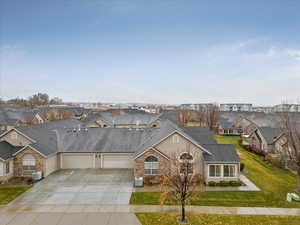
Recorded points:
(59, 136)
(102, 139)
(201, 135)
(45, 134)
(9, 115)
(7, 150)
(221, 153)
(123, 119)
(270, 133)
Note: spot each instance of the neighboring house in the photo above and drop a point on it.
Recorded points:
(236, 107)
(66, 144)
(12, 116)
(267, 140)
(122, 119)
(227, 123)
(249, 124)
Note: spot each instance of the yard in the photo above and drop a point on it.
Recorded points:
(9, 193)
(204, 219)
(274, 183)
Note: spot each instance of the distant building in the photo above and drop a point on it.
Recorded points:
(287, 108)
(265, 109)
(195, 106)
(236, 107)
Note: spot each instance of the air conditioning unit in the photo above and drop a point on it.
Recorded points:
(138, 181)
(37, 176)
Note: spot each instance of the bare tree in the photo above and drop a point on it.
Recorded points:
(179, 181)
(212, 116)
(184, 116)
(291, 128)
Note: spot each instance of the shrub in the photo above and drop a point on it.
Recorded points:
(226, 183)
(242, 167)
(235, 183)
(152, 180)
(212, 183)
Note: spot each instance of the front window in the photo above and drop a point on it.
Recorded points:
(186, 163)
(29, 163)
(151, 165)
(229, 171)
(215, 170)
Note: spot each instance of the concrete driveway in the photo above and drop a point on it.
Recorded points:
(81, 187)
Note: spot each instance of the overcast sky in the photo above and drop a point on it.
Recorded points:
(154, 51)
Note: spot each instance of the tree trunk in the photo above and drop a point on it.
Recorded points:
(182, 212)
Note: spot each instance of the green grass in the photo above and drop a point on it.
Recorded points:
(9, 193)
(206, 219)
(273, 182)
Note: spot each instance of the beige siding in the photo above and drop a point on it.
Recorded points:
(1, 169)
(176, 144)
(16, 139)
(51, 164)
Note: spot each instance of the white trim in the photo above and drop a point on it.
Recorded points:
(5, 133)
(222, 170)
(31, 148)
(151, 148)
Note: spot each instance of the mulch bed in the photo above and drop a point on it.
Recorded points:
(18, 181)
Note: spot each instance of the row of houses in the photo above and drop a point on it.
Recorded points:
(143, 142)
(263, 131)
(12, 116)
(245, 107)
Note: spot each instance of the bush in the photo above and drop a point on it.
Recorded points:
(235, 183)
(226, 183)
(242, 167)
(152, 180)
(212, 183)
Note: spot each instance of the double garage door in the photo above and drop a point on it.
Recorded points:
(91, 160)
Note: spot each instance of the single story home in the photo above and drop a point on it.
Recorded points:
(66, 145)
(267, 140)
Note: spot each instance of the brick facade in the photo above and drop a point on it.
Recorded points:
(139, 162)
(18, 162)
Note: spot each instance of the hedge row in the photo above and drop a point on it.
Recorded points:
(224, 183)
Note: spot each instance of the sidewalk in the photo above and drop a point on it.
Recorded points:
(148, 208)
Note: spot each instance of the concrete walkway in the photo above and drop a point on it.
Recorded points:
(146, 208)
(60, 218)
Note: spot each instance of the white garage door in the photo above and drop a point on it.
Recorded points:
(118, 161)
(77, 161)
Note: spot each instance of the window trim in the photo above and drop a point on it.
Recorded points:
(215, 170)
(153, 165)
(7, 167)
(33, 159)
(222, 169)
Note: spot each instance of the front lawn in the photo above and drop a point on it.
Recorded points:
(274, 183)
(206, 219)
(9, 193)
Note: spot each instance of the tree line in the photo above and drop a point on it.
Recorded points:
(39, 99)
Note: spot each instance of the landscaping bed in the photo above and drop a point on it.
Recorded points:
(208, 219)
(16, 181)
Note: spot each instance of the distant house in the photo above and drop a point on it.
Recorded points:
(12, 116)
(122, 119)
(227, 123)
(236, 107)
(267, 140)
(147, 151)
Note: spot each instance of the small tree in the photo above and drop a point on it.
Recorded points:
(179, 181)
(291, 128)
